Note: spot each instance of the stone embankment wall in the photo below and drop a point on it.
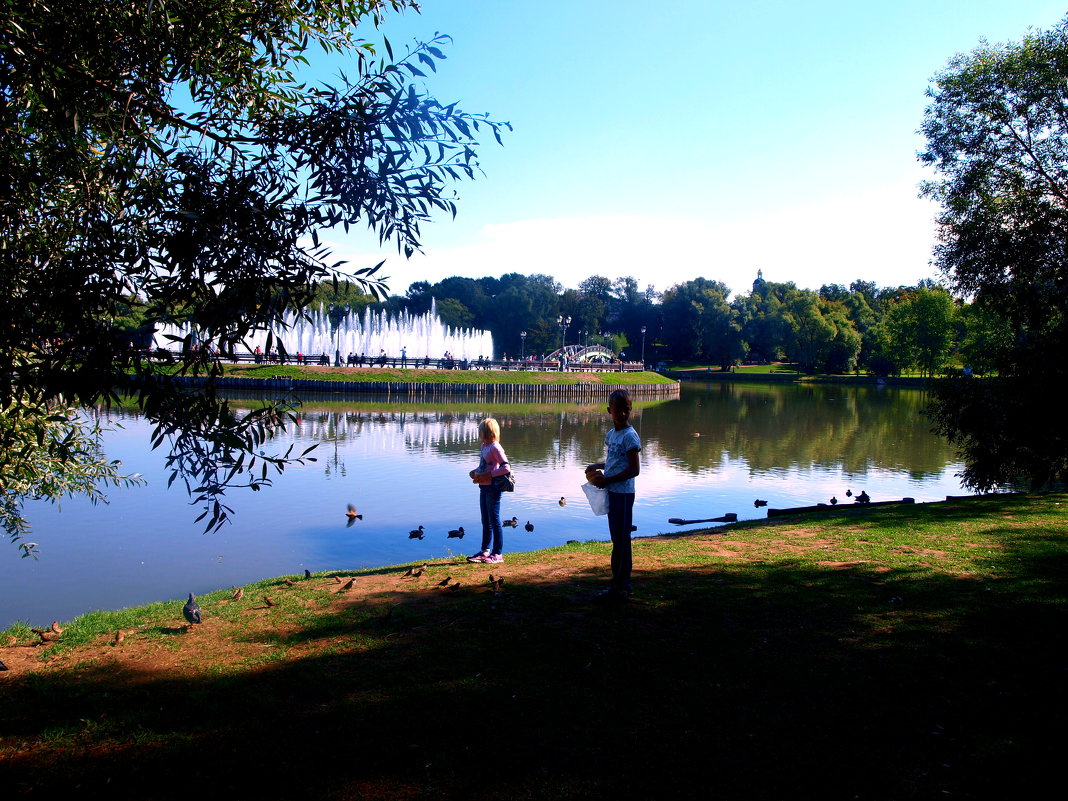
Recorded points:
(407, 390)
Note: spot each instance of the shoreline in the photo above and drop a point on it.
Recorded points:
(796, 378)
(417, 384)
(775, 517)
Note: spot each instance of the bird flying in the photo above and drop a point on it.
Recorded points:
(352, 515)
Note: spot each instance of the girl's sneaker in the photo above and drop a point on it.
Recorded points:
(495, 558)
(480, 557)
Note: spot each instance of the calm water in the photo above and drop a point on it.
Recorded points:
(406, 465)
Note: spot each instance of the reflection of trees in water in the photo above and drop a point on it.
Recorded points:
(769, 427)
(776, 428)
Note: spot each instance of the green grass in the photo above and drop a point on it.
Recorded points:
(906, 652)
(440, 376)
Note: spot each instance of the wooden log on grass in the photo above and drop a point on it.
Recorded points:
(826, 507)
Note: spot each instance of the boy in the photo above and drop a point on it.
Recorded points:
(616, 474)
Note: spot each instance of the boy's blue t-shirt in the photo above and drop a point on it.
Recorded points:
(618, 444)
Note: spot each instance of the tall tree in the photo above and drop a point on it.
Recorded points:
(172, 152)
(997, 135)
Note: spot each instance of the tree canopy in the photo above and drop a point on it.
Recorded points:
(170, 154)
(997, 136)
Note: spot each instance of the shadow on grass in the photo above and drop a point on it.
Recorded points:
(740, 681)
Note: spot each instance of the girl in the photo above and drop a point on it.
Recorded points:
(493, 463)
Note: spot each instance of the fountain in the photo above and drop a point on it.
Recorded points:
(422, 335)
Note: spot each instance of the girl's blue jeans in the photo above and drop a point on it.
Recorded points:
(489, 501)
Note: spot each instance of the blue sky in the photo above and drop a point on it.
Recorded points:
(681, 139)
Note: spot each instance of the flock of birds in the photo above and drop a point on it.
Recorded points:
(862, 497)
(458, 533)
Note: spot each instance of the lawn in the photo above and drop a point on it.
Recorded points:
(892, 653)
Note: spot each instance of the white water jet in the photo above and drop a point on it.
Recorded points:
(421, 335)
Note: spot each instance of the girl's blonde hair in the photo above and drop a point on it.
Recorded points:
(489, 426)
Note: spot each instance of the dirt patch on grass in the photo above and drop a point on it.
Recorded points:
(240, 634)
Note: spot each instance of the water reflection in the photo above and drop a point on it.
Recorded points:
(712, 451)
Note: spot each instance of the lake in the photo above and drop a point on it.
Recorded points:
(712, 451)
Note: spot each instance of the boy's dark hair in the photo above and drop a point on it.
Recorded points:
(620, 395)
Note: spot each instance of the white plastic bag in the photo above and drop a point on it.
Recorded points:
(597, 497)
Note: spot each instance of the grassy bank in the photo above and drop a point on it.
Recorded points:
(369, 374)
(889, 654)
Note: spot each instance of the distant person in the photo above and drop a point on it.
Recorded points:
(616, 474)
(492, 467)
(404, 356)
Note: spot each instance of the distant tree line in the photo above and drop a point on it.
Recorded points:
(837, 329)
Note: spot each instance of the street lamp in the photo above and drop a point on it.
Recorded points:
(643, 347)
(522, 344)
(563, 322)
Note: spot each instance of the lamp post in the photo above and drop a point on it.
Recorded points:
(643, 347)
(563, 322)
(522, 344)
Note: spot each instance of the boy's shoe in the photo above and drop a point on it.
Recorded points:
(495, 558)
(480, 557)
(611, 595)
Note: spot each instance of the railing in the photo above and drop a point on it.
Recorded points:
(424, 363)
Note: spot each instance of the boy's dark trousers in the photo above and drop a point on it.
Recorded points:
(620, 514)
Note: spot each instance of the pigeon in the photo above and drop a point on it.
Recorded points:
(288, 583)
(351, 514)
(834, 501)
(758, 503)
(348, 584)
(307, 574)
(191, 610)
(269, 601)
(415, 571)
(562, 501)
(456, 532)
(239, 593)
(445, 581)
(56, 628)
(120, 636)
(513, 523)
(416, 534)
(529, 526)
(454, 587)
(3, 666)
(337, 579)
(46, 635)
(497, 584)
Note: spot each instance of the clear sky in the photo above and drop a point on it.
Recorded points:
(686, 138)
